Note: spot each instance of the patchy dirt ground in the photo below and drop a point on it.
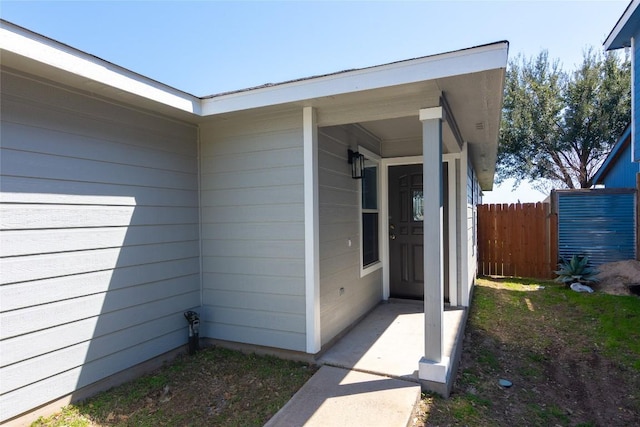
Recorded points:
(567, 361)
(619, 278)
(215, 387)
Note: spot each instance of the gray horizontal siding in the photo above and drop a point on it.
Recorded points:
(35, 267)
(39, 292)
(66, 382)
(25, 138)
(98, 171)
(46, 190)
(26, 346)
(242, 283)
(30, 215)
(35, 241)
(99, 241)
(253, 231)
(219, 329)
(88, 117)
(33, 370)
(263, 230)
(339, 223)
(263, 179)
(35, 318)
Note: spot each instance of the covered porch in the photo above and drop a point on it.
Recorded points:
(390, 339)
(446, 129)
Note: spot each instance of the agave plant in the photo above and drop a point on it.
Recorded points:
(576, 270)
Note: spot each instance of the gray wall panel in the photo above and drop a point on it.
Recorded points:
(339, 224)
(253, 231)
(99, 237)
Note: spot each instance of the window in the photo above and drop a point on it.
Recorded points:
(418, 205)
(473, 199)
(370, 217)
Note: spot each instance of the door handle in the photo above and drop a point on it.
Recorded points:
(392, 236)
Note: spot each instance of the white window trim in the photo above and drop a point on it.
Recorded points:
(370, 156)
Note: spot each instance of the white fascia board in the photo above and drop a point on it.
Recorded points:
(466, 61)
(611, 42)
(46, 51)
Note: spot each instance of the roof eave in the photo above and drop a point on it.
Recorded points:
(621, 33)
(482, 58)
(486, 178)
(55, 55)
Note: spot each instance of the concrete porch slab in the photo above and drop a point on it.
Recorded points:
(390, 342)
(340, 397)
(370, 376)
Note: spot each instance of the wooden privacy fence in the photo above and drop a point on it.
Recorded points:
(517, 240)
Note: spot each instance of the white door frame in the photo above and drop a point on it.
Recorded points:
(452, 195)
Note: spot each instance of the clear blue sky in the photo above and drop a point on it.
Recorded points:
(207, 47)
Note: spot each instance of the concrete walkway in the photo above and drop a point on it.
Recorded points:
(369, 377)
(340, 397)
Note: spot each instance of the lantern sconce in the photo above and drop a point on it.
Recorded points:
(356, 160)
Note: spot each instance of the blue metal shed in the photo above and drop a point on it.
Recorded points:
(599, 223)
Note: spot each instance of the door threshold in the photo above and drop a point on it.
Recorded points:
(406, 301)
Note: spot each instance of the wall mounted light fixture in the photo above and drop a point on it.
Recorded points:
(356, 160)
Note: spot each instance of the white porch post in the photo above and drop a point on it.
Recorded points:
(464, 226)
(311, 231)
(433, 367)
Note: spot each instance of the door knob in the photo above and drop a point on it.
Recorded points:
(392, 237)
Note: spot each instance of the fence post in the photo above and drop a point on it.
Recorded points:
(553, 242)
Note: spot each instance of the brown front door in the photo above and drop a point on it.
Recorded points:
(406, 264)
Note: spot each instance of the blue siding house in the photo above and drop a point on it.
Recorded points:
(626, 34)
(618, 170)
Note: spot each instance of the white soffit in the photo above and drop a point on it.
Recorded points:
(54, 54)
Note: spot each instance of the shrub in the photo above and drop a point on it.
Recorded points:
(576, 270)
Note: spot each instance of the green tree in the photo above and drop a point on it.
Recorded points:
(559, 126)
